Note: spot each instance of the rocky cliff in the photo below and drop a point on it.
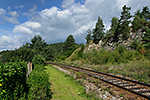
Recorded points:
(109, 45)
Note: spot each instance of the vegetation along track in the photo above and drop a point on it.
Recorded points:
(139, 88)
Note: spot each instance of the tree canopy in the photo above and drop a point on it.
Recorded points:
(69, 43)
(146, 38)
(124, 22)
(89, 36)
(98, 32)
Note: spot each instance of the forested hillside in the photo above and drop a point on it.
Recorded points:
(115, 41)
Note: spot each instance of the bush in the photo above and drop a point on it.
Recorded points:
(120, 55)
(80, 54)
(63, 57)
(135, 45)
(39, 84)
(68, 53)
(147, 54)
(38, 59)
(121, 49)
(13, 80)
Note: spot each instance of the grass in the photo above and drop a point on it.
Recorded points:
(138, 69)
(63, 88)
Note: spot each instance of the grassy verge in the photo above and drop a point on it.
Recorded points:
(138, 69)
(63, 88)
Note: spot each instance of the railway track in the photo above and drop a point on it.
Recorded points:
(139, 88)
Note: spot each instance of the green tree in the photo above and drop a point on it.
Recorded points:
(141, 15)
(135, 44)
(69, 44)
(124, 22)
(138, 13)
(98, 32)
(38, 43)
(146, 13)
(38, 59)
(114, 24)
(136, 24)
(146, 38)
(114, 28)
(48, 53)
(89, 36)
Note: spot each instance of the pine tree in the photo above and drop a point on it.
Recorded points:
(146, 13)
(98, 32)
(114, 24)
(88, 37)
(146, 38)
(124, 22)
(138, 13)
(136, 24)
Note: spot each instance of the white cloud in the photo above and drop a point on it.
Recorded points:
(2, 11)
(19, 6)
(42, 1)
(67, 3)
(32, 25)
(23, 30)
(13, 13)
(121, 3)
(13, 20)
(27, 28)
(10, 16)
(8, 7)
(54, 24)
(80, 9)
(31, 11)
(49, 12)
(9, 42)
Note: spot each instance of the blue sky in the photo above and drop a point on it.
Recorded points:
(54, 20)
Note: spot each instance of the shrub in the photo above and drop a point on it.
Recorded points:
(135, 45)
(147, 54)
(121, 49)
(120, 55)
(39, 84)
(80, 53)
(13, 80)
(87, 55)
(38, 59)
(68, 53)
(63, 57)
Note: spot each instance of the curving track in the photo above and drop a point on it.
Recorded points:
(139, 88)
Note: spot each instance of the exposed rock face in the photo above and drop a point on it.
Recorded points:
(110, 45)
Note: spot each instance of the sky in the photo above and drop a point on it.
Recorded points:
(55, 20)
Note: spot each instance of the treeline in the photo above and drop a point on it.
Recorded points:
(120, 26)
(39, 48)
